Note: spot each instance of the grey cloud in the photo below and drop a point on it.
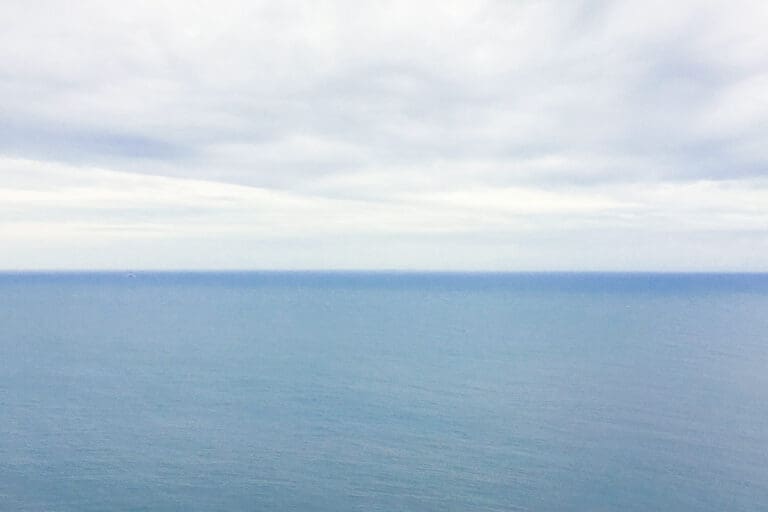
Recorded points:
(390, 103)
(50, 141)
(502, 83)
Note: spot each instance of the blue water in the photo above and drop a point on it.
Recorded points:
(383, 392)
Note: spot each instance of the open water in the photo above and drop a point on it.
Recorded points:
(383, 392)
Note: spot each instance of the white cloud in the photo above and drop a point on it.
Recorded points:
(438, 134)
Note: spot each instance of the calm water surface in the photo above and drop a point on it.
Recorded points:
(383, 392)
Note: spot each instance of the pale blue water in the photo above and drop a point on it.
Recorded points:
(383, 392)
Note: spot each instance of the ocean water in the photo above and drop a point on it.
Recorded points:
(383, 392)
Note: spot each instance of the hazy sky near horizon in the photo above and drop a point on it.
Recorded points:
(467, 135)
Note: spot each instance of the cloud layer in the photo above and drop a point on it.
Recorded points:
(448, 135)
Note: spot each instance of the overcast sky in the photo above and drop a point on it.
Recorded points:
(465, 135)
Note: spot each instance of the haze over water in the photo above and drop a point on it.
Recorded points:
(380, 391)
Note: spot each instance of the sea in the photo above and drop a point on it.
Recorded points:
(383, 391)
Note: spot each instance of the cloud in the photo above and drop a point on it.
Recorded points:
(87, 215)
(472, 125)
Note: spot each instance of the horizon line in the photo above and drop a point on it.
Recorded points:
(371, 271)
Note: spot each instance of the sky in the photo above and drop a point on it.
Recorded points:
(445, 135)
